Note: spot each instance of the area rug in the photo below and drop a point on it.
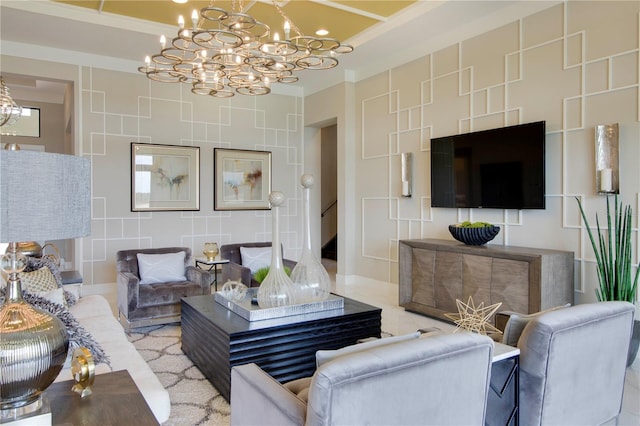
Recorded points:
(194, 401)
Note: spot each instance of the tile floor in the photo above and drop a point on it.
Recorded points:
(396, 320)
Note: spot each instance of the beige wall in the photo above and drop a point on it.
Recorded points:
(114, 109)
(574, 65)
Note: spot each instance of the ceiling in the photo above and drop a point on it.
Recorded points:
(118, 34)
(343, 19)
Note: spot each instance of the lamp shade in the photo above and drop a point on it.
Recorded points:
(43, 196)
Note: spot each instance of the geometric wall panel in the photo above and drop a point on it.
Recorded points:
(566, 65)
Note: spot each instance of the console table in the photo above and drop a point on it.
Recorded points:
(216, 339)
(434, 273)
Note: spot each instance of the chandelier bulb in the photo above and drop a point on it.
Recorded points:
(181, 22)
(287, 30)
(163, 41)
(194, 19)
(251, 77)
(276, 37)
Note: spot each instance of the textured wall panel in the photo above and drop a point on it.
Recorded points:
(136, 110)
(574, 65)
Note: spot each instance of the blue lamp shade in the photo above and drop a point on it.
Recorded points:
(44, 196)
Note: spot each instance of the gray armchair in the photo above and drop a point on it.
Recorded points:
(572, 364)
(235, 271)
(155, 303)
(437, 380)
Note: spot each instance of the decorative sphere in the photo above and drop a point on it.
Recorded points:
(276, 198)
(10, 265)
(307, 180)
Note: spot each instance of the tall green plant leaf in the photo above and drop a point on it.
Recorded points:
(613, 252)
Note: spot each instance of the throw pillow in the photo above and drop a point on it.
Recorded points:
(324, 356)
(161, 268)
(255, 258)
(517, 323)
(39, 281)
(35, 263)
(55, 296)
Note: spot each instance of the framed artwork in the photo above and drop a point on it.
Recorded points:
(242, 179)
(164, 177)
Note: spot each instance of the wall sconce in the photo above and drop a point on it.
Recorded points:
(607, 159)
(405, 159)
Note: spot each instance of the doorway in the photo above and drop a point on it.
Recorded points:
(329, 193)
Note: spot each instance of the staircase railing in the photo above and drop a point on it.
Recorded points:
(329, 219)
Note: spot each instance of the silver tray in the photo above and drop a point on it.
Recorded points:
(252, 312)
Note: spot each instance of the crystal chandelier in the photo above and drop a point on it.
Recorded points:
(8, 108)
(228, 52)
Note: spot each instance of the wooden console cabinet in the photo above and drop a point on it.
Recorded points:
(434, 273)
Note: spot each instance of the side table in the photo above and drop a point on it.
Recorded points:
(116, 400)
(211, 265)
(502, 401)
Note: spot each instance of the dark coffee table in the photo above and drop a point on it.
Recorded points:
(216, 339)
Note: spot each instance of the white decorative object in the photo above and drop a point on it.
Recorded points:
(605, 180)
(277, 289)
(309, 277)
(406, 160)
(234, 290)
(607, 159)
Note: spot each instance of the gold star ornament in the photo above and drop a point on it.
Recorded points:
(472, 318)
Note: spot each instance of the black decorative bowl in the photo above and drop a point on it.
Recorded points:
(474, 236)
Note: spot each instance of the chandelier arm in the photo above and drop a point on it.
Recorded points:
(229, 52)
(294, 27)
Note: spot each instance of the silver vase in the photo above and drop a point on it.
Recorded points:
(33, 349)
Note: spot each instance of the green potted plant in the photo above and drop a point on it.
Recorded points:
(261, 273)
(614, 261)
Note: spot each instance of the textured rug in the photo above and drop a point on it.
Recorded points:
(194, 401)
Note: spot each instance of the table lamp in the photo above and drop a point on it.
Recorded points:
(43, 196)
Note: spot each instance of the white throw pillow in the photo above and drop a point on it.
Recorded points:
(255, 258)
(55, 296)
(324, 356)
(160, 268)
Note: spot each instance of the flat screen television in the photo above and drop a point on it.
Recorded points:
(499, 168)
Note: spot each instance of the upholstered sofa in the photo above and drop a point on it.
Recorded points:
(94, 314)
(157, 302)
(235, 270)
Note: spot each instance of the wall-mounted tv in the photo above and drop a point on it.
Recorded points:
(499, 168)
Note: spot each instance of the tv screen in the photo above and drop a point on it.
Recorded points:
(498, 168)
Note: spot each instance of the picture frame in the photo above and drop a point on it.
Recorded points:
(242, 179)
(165, 177)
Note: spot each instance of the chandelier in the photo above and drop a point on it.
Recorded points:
(8, 108)
(228, 52)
